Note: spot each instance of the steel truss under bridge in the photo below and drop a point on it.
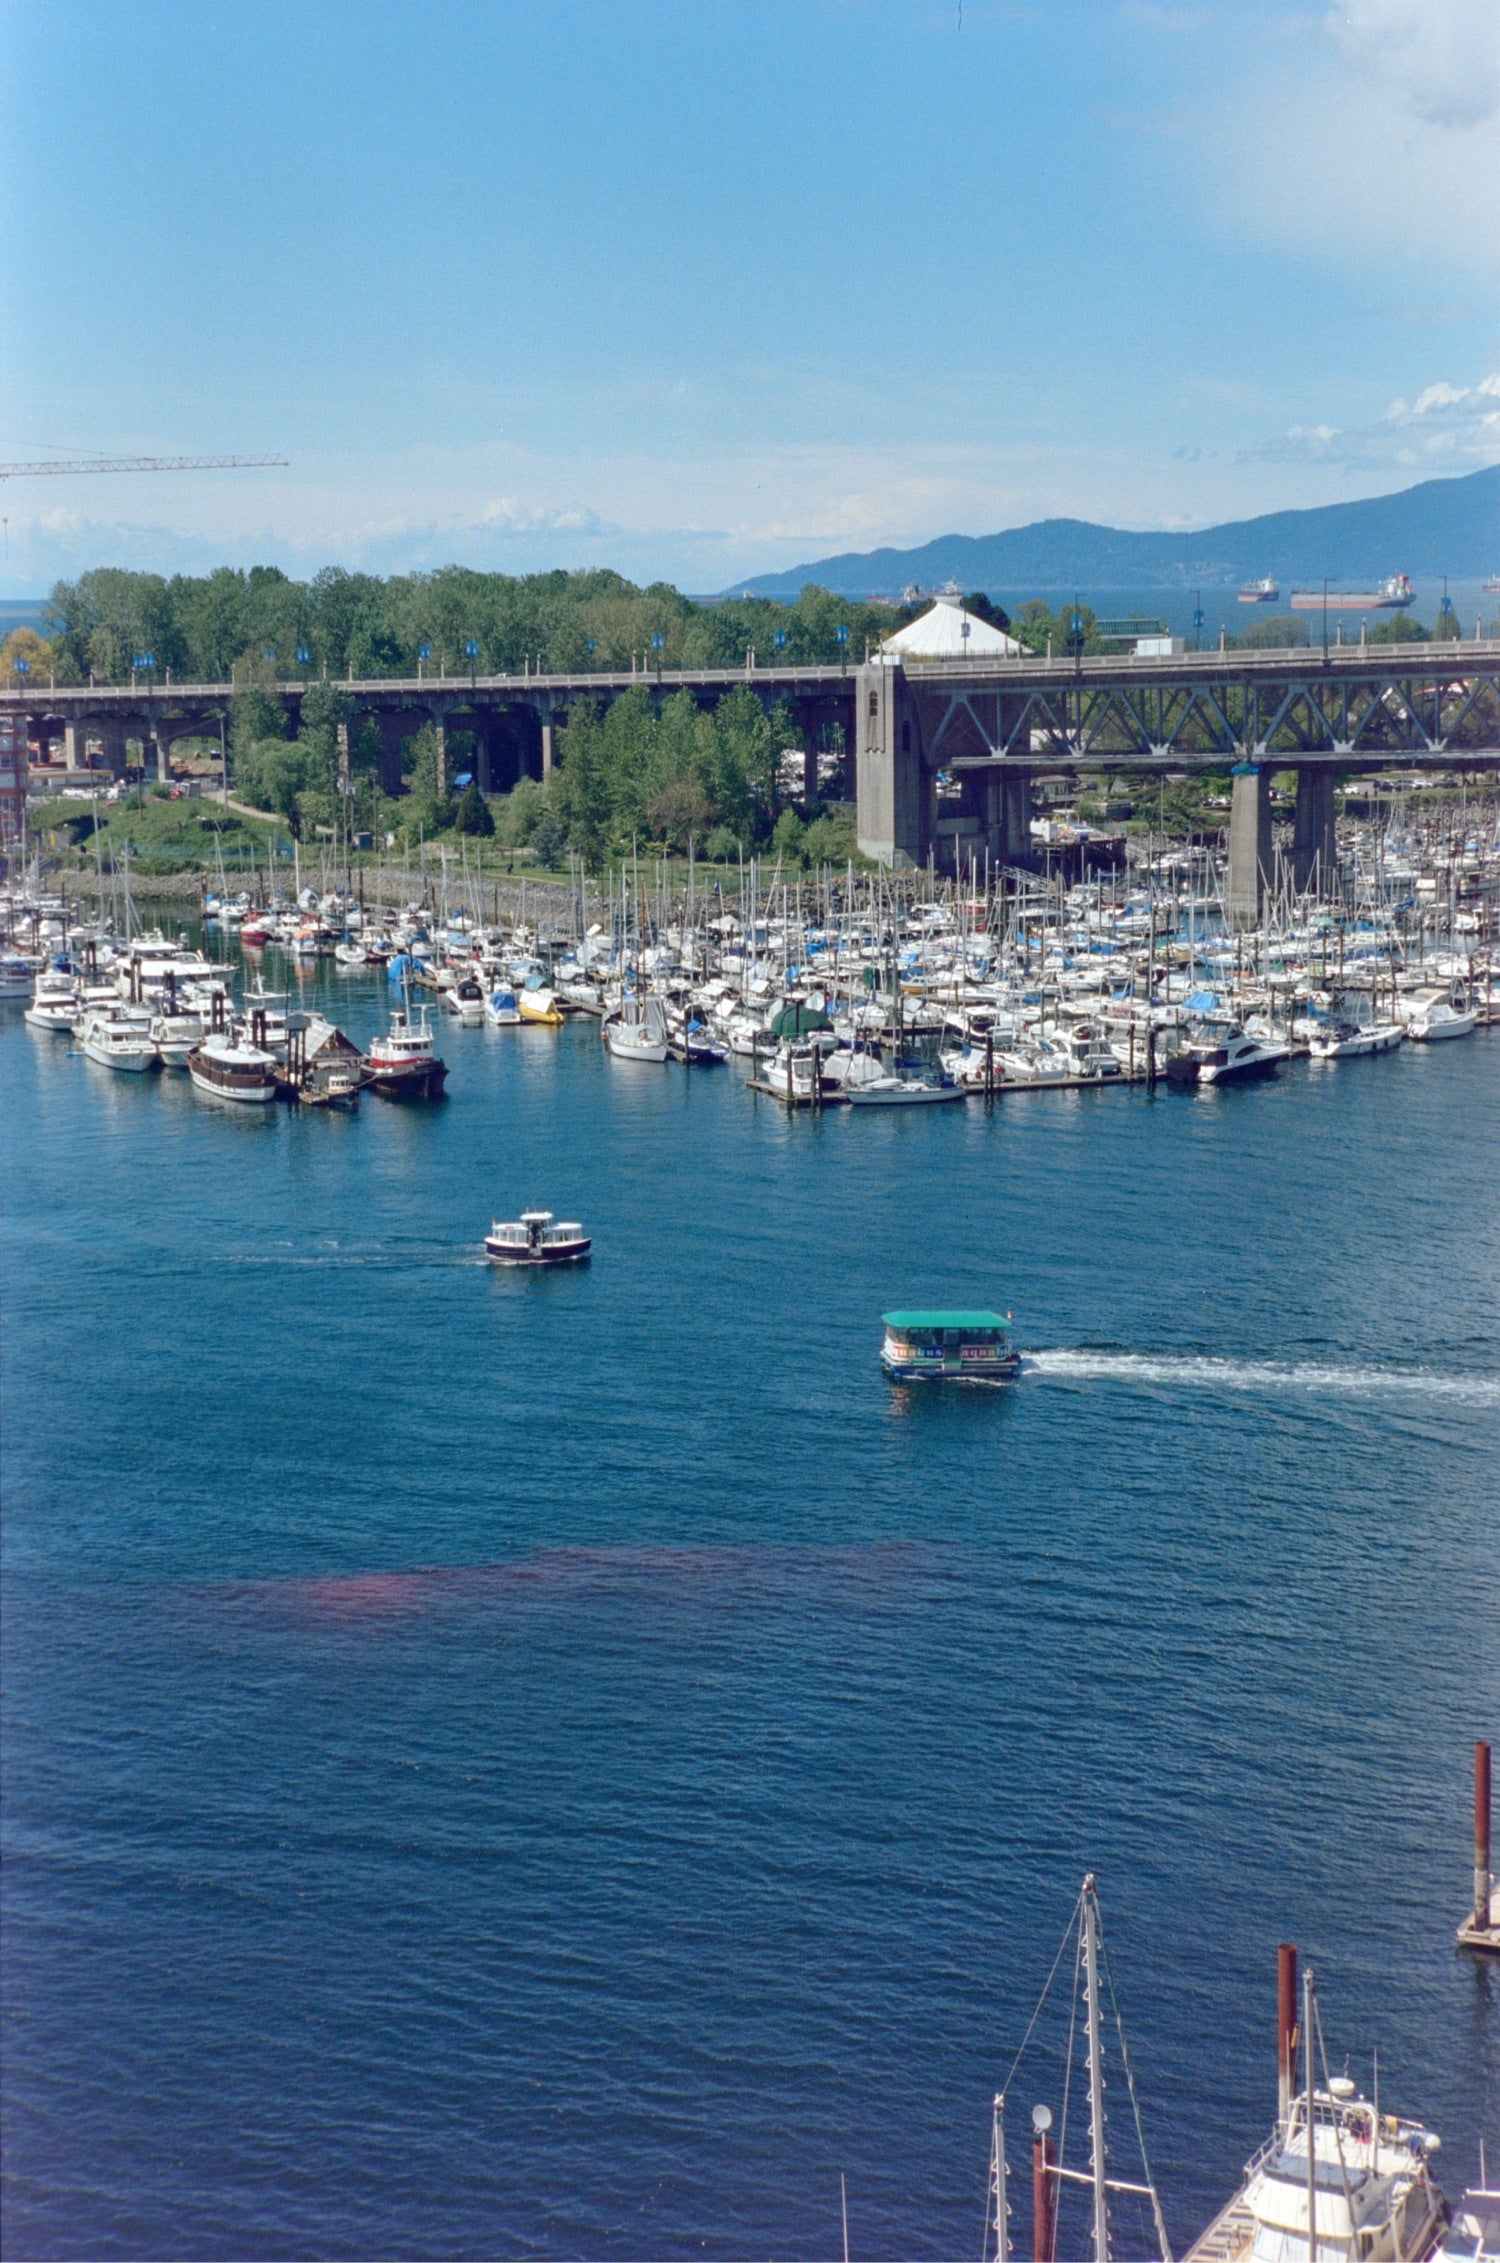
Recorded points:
(1446, 711)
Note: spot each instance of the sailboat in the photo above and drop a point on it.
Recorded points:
(1050, 2172)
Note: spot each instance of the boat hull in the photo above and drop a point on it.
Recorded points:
(131, 1064)
(253, 1095)
(403, 1080)
(572, 1254)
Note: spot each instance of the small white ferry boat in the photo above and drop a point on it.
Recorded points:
(227, 1070)
(536, 1238)
(949, 1347)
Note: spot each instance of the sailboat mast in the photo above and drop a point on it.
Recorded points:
(1096, 2069)
(1312, 2150)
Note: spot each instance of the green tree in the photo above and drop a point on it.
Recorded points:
(473, 812)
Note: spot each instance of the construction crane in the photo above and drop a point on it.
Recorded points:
(137, 463)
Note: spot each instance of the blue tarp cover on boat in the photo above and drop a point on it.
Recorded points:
(1201, 1002)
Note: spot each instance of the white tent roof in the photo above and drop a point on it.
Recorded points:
(939, 635)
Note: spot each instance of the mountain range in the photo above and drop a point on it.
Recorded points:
(1443, 526)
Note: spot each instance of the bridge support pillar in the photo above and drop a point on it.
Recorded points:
(1010, 816)
(546, 748)
(75, 744)
(1314, 846)
(111, 736)
(158, 751)
(890, 790)
(1249, 843)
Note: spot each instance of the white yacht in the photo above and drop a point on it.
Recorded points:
(1340, 2179)
(1229, 1056)
(225, 1068)
(1474, 2234)
(1347, 1040)
(1441, 1018)
(15, 976)
(903, 1092)
(119, 1037)
(54, 1003)
(174, 1036)
(500, 1008)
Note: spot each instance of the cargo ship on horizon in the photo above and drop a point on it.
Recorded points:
(1263, 592)
(1392, 593)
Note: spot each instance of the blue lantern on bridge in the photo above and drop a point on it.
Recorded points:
(658, 643)
(304, 655)
(21, 665)
(471, 649)
(781, 640)
(424, 651)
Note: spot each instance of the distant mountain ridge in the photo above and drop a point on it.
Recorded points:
(1443, 526)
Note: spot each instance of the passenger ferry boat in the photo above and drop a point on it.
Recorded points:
(536, 1238)
(940, 1347)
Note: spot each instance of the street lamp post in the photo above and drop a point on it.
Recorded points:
(842, 633)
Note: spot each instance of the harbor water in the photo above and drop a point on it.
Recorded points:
(570, 1764)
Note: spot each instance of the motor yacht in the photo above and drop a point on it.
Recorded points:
(1347, 1040)
(227, 1068)
(500, 1008)
(1340, 2178)
(466, 999)
(536, 1238)
(54, 1003)
(1230, 1056)
(119, 1037)
(1474, 2234)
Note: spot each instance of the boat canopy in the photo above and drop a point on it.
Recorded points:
(799, 1021)
(901, 1321)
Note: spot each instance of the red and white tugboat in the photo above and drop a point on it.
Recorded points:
(536, 1238)
(404, 1063)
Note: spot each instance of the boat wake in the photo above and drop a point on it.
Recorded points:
(1260, 1376)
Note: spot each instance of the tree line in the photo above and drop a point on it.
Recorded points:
(213, 628)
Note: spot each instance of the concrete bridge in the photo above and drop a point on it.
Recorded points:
(943, 753)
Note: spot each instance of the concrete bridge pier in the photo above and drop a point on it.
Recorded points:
(1010, 827)
(891, 793)
(1250, 856)
(1314, 844)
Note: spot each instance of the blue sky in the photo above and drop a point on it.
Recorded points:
(700, 289)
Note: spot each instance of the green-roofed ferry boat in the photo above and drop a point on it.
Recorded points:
(949, 1347)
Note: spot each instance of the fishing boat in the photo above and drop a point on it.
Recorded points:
(945, 1347)
(119, 1037)
(536, 1238)
(403, 1064)
(1339, 2177)
(225, 1068)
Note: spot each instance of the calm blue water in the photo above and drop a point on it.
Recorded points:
(566, 1766)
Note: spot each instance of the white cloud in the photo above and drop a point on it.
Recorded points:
(1438, 59)
(1369, 133)
(1447, 428)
